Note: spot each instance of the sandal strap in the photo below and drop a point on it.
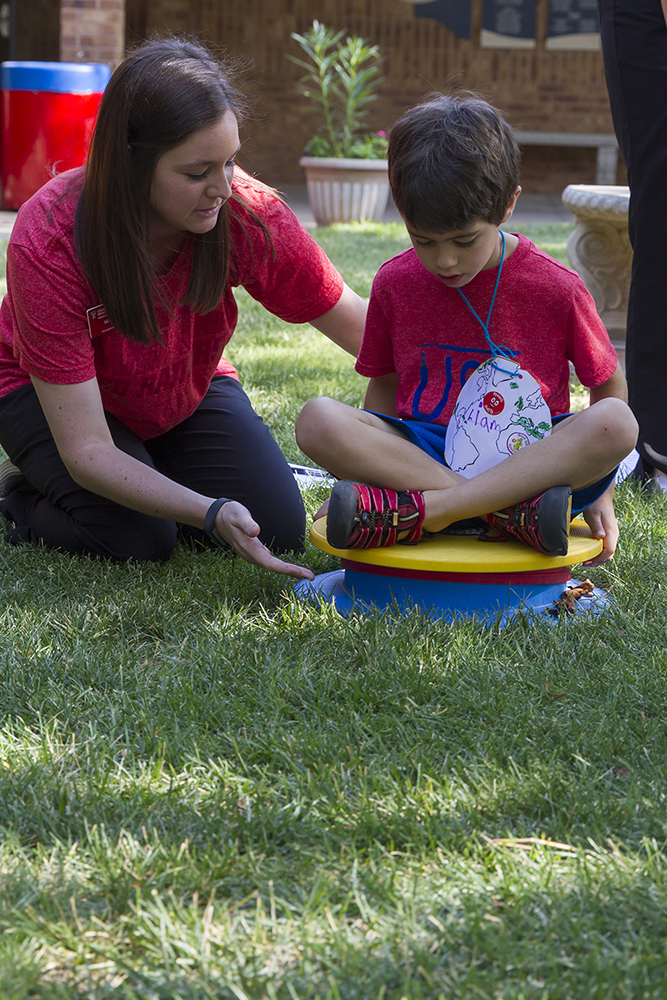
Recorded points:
(379, 520)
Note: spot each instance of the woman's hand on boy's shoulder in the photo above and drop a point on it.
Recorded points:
(601, 519)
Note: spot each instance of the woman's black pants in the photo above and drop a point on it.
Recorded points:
(223, 449)
(634, 44)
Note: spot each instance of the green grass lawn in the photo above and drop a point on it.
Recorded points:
(211, 790)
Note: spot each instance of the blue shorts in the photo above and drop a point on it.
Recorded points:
(431, 439)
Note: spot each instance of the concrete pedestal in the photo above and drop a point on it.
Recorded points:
(599, 249)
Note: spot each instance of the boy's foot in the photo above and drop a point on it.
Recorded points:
(543, 523)
(11, 477)
(367, 517)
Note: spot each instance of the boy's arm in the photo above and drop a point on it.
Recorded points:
(600, 516)
(615, 386)
(381, 394)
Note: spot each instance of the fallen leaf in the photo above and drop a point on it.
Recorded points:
(567, 602)
(585, 587)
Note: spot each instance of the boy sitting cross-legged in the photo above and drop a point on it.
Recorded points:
(434, 315)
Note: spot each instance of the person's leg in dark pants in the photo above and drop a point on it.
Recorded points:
(634, 42)
(51, 510)
(225, 449)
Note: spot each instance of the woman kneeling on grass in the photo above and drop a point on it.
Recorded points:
(118, 412)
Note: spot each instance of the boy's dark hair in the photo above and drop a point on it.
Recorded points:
(453, 159)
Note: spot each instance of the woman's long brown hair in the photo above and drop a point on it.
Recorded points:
(162, 93)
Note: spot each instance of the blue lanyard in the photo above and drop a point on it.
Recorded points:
(496, 350)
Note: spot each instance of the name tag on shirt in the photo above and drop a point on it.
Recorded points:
(98, 321)
(499, 410)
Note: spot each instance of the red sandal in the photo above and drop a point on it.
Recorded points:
(543, 523)
(367, 517)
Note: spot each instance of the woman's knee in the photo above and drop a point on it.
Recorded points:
(109, 531)
(283, 529)
(151, 540)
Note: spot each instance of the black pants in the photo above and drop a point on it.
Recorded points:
(634, 43)
(223, 449)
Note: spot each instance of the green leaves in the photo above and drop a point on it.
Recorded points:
(342, 79)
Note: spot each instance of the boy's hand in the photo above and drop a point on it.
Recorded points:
(601, 519)
(323, 510)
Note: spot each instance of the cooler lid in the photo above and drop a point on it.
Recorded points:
(58, 77)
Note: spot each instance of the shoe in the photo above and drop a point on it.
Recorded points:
(367, 517)
(10, 478)
(542, 523)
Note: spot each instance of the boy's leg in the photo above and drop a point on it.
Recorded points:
(581, 450)
(356, 445)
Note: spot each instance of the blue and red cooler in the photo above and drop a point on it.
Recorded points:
(48, 112)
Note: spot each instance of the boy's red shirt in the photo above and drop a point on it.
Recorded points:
(423, 331)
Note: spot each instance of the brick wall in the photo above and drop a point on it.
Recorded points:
(92, 31)
(537, 89)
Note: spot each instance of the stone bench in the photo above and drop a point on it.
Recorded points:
(599, 249)
(606, 145)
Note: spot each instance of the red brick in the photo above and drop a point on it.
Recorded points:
(539, 90)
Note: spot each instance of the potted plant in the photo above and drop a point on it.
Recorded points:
(346, 169)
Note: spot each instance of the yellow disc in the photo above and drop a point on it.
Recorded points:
(465, 553)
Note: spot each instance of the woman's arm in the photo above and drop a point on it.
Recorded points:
(344, 324)
(76, 418)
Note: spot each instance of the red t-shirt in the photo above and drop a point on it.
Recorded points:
(424, 332)
(150, 387)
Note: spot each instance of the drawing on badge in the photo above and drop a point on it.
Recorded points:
(538, 431)
(516, 441)
(494, 418)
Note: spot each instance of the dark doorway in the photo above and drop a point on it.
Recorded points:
(30, 30)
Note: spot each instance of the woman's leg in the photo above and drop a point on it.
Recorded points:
(225, 449)
(51, 510)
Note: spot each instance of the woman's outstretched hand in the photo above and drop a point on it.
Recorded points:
(237, 526)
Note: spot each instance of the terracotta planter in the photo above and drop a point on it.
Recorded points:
(342, 190)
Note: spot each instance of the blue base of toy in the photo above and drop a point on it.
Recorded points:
(349, 590)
